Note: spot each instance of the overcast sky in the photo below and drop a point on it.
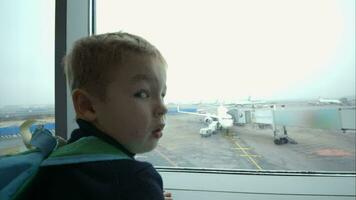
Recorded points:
(26, 52)
(225, 50)
(231, 49)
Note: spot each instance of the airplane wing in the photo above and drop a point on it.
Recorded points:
(198, 114)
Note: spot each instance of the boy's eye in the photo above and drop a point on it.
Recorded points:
(163, 95)
(142, 94)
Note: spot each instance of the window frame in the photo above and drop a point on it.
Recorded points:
(76, 19)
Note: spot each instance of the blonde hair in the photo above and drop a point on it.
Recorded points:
(91, 61)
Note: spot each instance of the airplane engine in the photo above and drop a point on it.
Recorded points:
(208, 120)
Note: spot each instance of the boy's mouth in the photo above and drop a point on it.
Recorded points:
(157, 133)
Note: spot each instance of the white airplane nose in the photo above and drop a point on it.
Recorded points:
(227, 123)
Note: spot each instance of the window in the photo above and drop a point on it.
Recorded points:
(26, 69)
(283, 71)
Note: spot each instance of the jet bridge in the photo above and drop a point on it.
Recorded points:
(331, 118)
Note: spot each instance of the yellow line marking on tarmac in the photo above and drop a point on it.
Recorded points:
(241, 148)
(166, 158)
(251, 155)
(248, 156)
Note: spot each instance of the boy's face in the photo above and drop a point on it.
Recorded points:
(134, 111)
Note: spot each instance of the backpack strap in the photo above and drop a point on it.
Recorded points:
(44, 141)
(86, 149)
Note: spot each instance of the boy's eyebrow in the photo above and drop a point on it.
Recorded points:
(141, 77)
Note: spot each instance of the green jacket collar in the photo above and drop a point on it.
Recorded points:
(87, 129)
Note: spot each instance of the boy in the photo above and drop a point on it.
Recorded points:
(118, 82)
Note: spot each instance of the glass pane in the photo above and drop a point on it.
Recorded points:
(26, 69)
(282, 72)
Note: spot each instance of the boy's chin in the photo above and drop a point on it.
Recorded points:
(145, 148)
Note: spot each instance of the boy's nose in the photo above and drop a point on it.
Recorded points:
(161, 110)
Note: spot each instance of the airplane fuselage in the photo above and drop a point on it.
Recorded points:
(226, 122)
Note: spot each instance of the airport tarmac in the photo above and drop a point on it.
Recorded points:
(251, 148)
(245, 147)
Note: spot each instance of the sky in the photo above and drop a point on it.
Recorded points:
(232, 49)
(27, 52)
(216, 50)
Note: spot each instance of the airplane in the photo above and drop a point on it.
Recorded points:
(328, 101)
(249, 102)
(324, 101)
(223, 119)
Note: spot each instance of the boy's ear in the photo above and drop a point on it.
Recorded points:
(83, 105)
